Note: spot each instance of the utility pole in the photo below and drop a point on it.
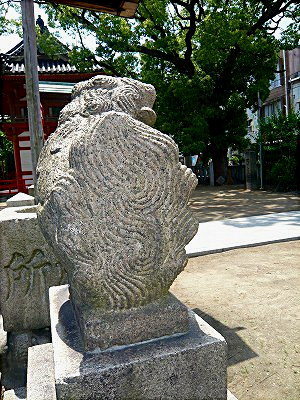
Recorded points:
(32, 83)
(286, 94)
(260, 141)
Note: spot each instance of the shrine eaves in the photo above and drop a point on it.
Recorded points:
(121, 8)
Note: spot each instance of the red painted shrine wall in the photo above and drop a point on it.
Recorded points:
(15, 124)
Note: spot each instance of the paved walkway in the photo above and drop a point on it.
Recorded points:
(218, 236)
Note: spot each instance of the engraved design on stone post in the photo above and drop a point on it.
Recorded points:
(30, 273)
(113, 203)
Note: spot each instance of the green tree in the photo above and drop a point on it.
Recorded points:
(206, 58)
(6, 154)
(279, 135)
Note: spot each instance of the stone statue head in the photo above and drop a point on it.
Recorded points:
(104, 93)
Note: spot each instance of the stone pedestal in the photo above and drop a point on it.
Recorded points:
(105, 329)
(180, 366)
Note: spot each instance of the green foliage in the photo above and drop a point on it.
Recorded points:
(49, 45)
(81, 58)
(181, 111)
(5, 28)
(279, 138)
(207, 59)
(6, 147)
(235, 160)
(290, 38)
(6, 155)
(7, 25)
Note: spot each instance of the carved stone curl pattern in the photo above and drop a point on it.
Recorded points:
(113, 197)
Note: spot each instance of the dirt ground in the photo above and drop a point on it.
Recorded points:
(215, 203)
(251, 296)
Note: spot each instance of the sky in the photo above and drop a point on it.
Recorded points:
(9, 41)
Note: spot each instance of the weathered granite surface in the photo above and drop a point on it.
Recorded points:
(28, 268)
(40, 375)
(183, 366)
(113, 204)
(159, 318)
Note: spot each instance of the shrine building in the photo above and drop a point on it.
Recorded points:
(56, 80)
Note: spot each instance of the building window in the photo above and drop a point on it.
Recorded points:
(276, 82)
(295, 91)
(273, 108)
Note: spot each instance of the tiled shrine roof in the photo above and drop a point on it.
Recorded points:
(12, 62)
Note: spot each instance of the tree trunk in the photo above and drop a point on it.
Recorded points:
(218, 149)
(219, 158)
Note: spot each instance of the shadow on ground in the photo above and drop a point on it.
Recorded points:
(216, 203)
(238, 350)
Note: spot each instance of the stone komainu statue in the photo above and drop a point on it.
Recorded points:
(113, 196)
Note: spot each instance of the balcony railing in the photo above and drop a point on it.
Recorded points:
(10, 187)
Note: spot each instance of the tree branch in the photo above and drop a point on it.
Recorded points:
(189, 35)
(174, 59)
(227, 74)
(159, 28)
(275, 8)
(177, 12)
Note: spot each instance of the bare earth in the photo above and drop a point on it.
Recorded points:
(216, 203)
(251, 296)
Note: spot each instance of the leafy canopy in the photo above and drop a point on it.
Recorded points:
(279, 135)
(6, 147)
(206, 58)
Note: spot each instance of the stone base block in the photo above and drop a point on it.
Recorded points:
(182, 366)
(105, 329)
(13, 363)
